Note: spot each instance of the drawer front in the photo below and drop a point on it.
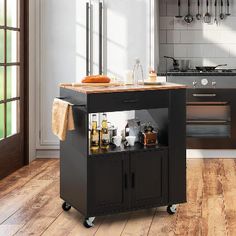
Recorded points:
(127, 101)
(209, 95)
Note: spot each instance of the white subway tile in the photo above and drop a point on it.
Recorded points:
(195, 25)
(162, 7)
(180, 50)
(193, 37)
(166, 22)
(172, 9)
(173, 36)
(194, 50)
(166, 50)
(163, 36)
(180, 24)
(215, 50)
(232, 51)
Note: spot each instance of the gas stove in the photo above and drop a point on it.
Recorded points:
(204, 71)
(218, 78)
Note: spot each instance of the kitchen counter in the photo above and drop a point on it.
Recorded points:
(175, 73)
(121, 88)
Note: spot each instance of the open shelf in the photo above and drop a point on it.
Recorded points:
(137, 147)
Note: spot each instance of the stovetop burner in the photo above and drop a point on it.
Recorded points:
(205, 71)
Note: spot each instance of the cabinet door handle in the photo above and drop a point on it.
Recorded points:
(131, 101)
(126, 181)
(132, 180)
(204, 95)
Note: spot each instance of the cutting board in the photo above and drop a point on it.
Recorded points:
(91, 84)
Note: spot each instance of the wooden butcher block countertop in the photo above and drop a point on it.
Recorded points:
(112, 88)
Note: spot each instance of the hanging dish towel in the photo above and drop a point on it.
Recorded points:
(62, 118)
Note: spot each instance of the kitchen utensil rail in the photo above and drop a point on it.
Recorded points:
(73, 105)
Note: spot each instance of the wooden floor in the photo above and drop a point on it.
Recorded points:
(30, 205)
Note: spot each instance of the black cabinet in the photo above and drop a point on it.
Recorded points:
(107, 183)
(127, 180)
(124, 179)
(149, 178)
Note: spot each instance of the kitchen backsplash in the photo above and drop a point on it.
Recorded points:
(203, 44)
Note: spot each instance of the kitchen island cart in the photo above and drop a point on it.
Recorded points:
(124, 179)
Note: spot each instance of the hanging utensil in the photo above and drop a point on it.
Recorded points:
(216, 20)
(198, 16)
(227, 12)
(179, 7)
(188, 18)
(207, 17)
(222, 16)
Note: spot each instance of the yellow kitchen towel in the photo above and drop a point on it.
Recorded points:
(62, 118)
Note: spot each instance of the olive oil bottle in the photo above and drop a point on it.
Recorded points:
(94, 138)
(104, 135)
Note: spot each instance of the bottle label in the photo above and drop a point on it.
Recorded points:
(94, 138)
(105, 137)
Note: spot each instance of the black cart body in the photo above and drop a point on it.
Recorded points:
(125, 179)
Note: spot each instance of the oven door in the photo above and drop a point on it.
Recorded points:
(211, 118)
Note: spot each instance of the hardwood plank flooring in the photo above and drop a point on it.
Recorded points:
(30, 205)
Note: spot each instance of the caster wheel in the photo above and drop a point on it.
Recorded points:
(66, 206)
(88, 222)
(171, 209)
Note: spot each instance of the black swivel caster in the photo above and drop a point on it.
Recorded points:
(65, 206)
(88, 222)
(171, 209)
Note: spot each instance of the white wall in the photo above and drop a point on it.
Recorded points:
(203, 44)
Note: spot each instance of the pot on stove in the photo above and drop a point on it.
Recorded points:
(181, 65)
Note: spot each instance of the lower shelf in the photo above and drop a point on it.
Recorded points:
(137, 147)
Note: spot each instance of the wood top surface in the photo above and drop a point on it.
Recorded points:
(89, 89)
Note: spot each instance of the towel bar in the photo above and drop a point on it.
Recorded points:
(74, 105)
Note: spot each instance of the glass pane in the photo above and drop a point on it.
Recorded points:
(1, 83)
(12, 118)
(1, 121)
(12, 46)
(12, 81)
(12, 13)
(1, 12)
(1, 46)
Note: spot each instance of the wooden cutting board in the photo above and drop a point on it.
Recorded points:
(91, 84)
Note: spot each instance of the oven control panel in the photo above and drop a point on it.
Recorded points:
(204, 81)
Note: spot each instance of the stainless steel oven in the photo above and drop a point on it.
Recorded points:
(211, 118)
(211, 111)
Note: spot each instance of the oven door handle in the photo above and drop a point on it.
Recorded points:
(204, 95)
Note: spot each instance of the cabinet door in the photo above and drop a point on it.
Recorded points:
(149, 175)
(107, 183)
